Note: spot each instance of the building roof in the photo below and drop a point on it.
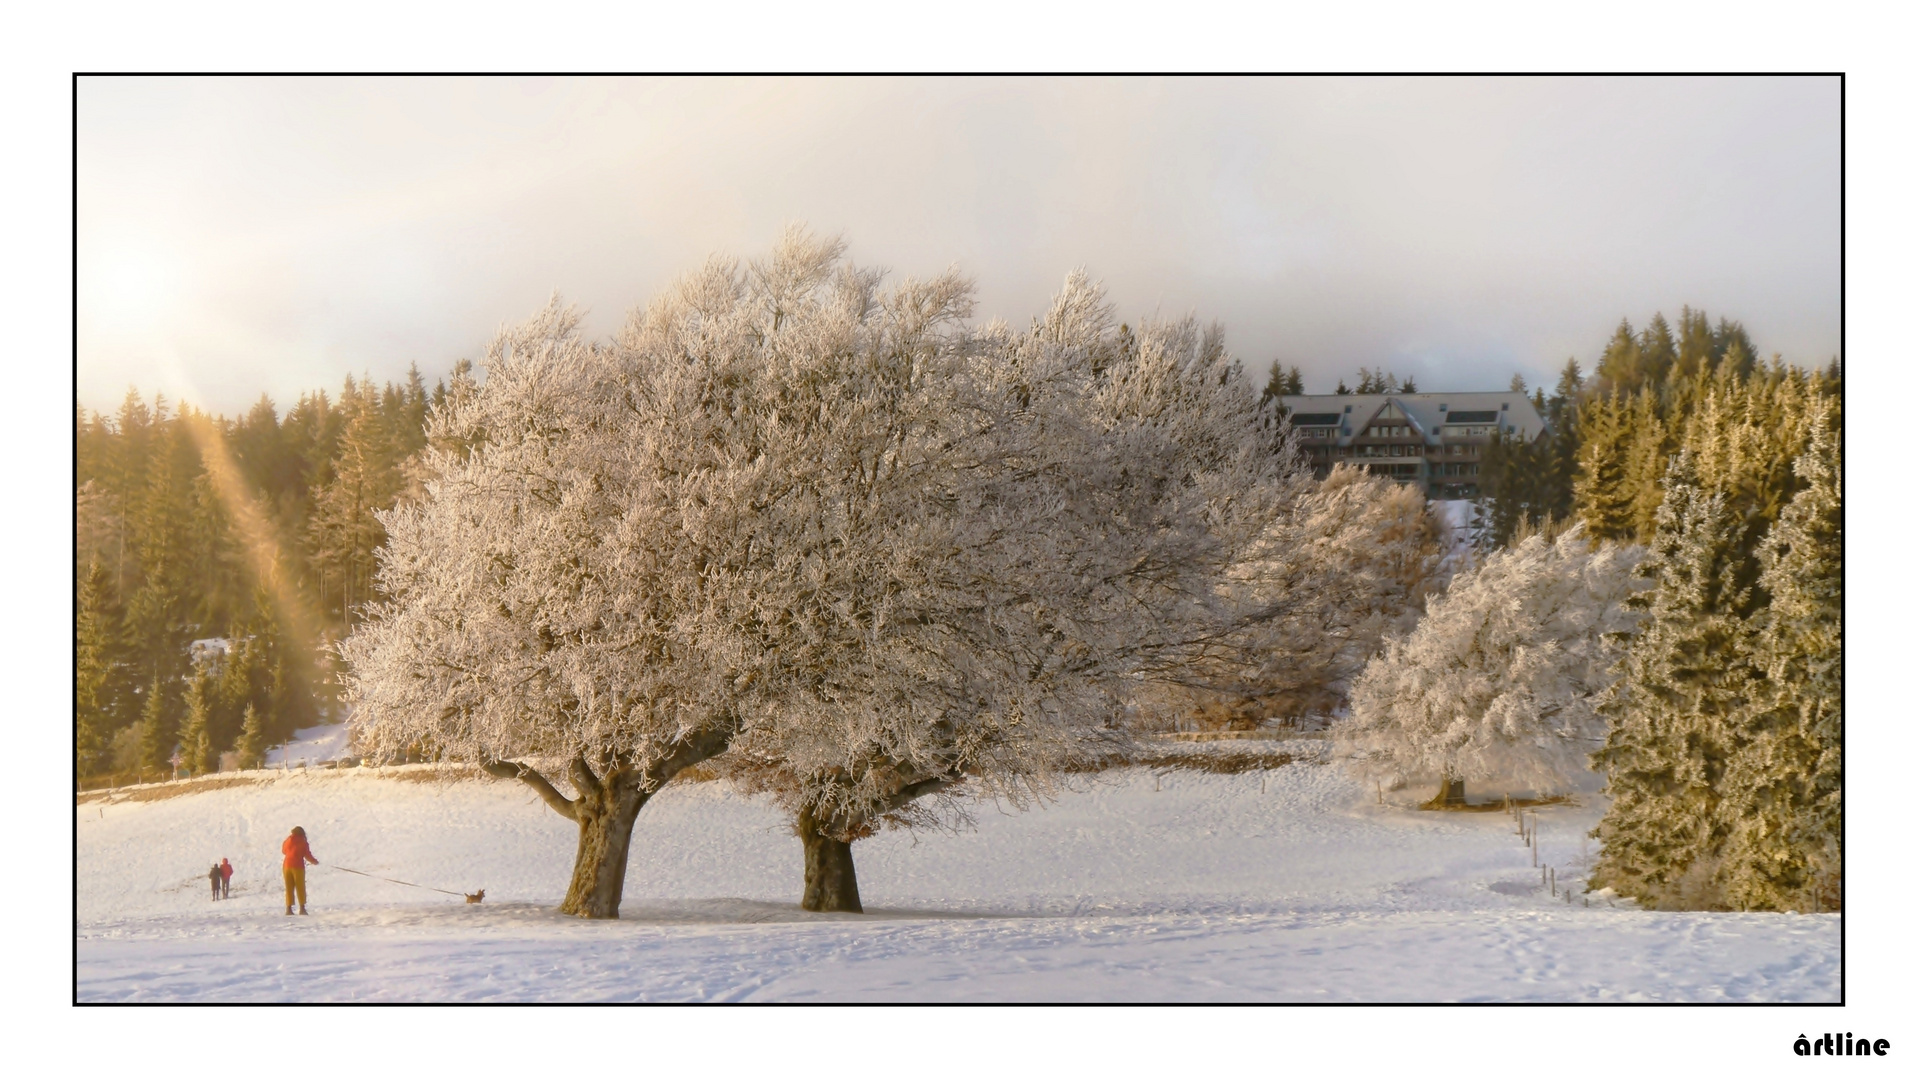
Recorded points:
(1427, 414)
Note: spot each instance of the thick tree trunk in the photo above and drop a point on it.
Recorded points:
(606, 834)
(1451, 793)
(831, 884)
(605, 809)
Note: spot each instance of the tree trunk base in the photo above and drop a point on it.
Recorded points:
(831, 884)
(599, 864)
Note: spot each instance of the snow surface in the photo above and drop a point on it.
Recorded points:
(1206, 889)
(1457, 512)
(311, 746)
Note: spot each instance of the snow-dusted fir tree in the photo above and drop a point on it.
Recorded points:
(1500, 677)
(1683, 677)
(1782, 786)
(1051, 528)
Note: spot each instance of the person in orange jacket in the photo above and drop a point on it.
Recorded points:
(226, 879)
(293, 867)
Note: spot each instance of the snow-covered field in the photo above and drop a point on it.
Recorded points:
(310, 746)
(1194, 887)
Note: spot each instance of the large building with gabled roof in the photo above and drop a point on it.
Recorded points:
(1437, 441)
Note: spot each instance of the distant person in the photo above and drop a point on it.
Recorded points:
(226, 879)
(213, 876)
(296, 856)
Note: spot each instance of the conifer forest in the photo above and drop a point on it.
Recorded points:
(258, 532)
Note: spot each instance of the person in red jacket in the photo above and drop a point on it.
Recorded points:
(226, 879)
(293, 867)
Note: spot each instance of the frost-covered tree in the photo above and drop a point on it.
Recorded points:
(1683, 678)
(1342, 564)
(788, 508)
(1783, 798)
(537, 591)
(1501, 676)
(1076, 495)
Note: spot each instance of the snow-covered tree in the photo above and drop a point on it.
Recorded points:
(1782, 788)
(790, 509)
(1501, 676)
(1684, 676)
(1075, 495)
(527, 630)
(1342, 564)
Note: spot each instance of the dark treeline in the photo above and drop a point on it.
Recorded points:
(1653, 394)
(259, 531)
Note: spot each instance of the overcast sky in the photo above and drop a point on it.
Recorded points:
(240, 236)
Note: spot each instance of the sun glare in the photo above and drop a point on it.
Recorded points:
(128, 287)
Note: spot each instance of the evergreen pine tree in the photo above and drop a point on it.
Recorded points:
(365, 478)
(1512, 495)
(1683, 678)
(158, 728)
(1783, 783)
(1282, 382)
(292, 705)
(92, 669)
(1833, 376)
(1646, 461)
(409, 427)
(1618, 367)
(1601, 494)
(1732, 349)
(196, 746)
(241, 683)
(252, 746)
(1657, 353)
(1696, 352)
(1374, 382)
(1561, 413)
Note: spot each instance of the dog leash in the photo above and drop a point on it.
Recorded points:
(396, 881)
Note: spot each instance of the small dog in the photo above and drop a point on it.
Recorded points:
(476, 897)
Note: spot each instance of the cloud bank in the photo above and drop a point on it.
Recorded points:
(240, 236)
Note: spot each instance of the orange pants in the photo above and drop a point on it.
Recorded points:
(296, 879)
